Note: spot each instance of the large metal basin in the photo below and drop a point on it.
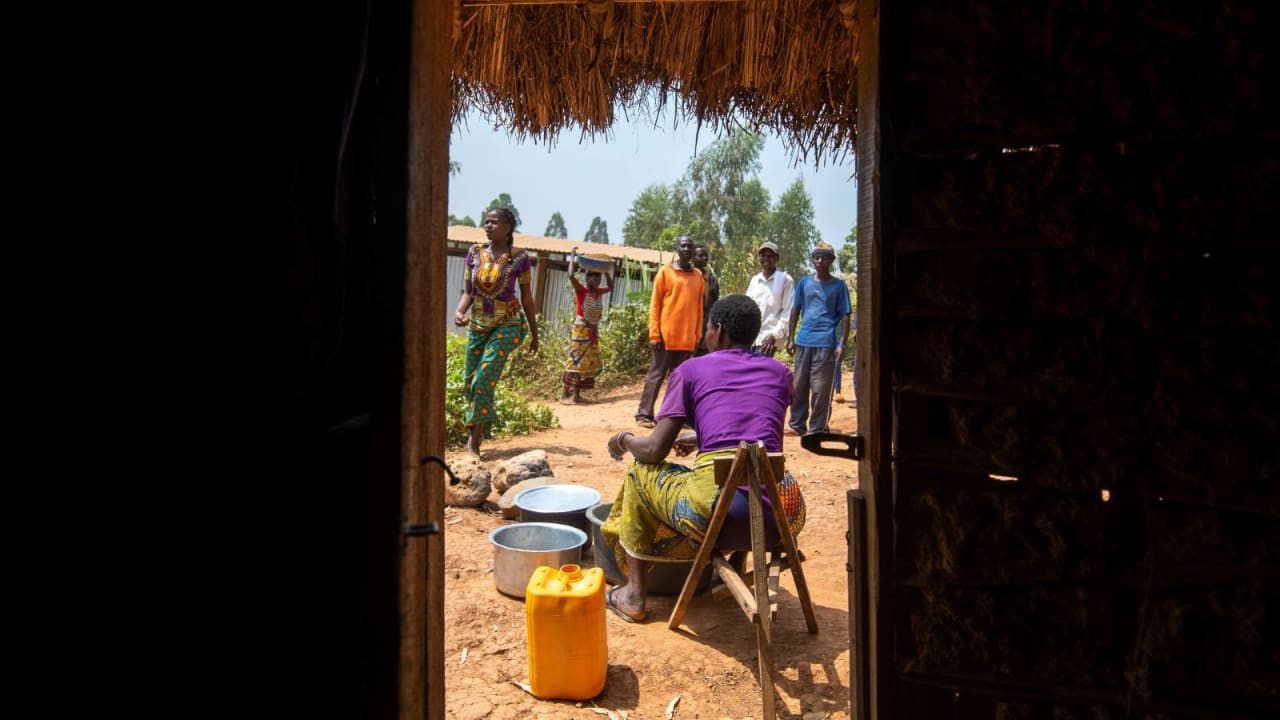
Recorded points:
(559, 503)
(665, 578)
(595, 264)
(521, 548)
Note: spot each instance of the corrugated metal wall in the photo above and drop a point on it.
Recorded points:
(558, 306)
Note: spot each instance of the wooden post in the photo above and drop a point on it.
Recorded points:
(422, 394)
(540, 286)
(875, 412)
(859, 652)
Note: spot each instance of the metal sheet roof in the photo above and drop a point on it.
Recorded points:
(463, 234)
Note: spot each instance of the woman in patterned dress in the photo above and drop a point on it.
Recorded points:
(584, 341)
(497, 322)
(663, 508)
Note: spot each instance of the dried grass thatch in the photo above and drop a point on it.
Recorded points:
(787, 66)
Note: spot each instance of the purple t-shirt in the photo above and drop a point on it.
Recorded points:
(728, 396)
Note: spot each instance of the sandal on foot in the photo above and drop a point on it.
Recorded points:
(609, 603)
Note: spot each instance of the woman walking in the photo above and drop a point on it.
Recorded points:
(584, 342)
(496, 324)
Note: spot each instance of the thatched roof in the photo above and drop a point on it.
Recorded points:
(464, 234)
(539, 67)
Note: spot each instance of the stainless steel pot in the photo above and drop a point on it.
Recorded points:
(521, 548)
(665, 578)
(560, 503)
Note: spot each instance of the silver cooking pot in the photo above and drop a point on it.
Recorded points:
(521, 548)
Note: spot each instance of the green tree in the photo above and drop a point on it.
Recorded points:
(847, 255)
(705, 197)
(598, 232)
(465, 220)
(502, 201)
(791, 227)
(651, 212)
(745, 227)
(555, 227)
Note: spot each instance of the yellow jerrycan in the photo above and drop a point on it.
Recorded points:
(564, 625)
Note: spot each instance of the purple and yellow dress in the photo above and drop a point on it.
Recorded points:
(662, 509)
(497, 324)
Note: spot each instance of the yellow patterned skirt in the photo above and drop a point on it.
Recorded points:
(662, 510)
(584, 357)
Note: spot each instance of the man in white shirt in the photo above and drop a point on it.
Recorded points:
(772, 290)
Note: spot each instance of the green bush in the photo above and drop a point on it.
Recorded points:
(624, 351)
(514, 414)
(624, 338)
(539, 376)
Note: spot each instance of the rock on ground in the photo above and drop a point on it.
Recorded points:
(507, 503)
(513, 471)
(474, 486)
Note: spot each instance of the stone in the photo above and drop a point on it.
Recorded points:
(507, 503)
(474, 483)
(513, 471)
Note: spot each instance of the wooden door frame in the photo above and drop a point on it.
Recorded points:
(422, 558)
(874, 390)
(421, 693)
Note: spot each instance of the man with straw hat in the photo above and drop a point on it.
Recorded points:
(822, 303)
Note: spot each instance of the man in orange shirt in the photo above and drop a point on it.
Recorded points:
(675, 323)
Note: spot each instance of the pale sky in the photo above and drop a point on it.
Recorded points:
(604, 177)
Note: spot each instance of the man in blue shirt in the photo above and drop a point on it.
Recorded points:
(822, 303)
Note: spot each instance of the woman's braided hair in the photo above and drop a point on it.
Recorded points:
(738, 316)
(509, 218)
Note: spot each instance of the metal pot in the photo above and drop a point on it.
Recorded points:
(521, 548)
(564, 504)
(595, 264)
(665, 578)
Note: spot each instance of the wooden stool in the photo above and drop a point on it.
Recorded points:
(760, 470)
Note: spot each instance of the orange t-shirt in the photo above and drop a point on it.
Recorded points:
(675, 311)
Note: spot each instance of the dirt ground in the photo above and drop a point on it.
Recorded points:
(710, 664)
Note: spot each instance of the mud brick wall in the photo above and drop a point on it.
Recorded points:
(1084, 219)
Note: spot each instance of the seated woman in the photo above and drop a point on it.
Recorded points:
(663, 508)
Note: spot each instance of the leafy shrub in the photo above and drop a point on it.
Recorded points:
(624, 350)
(624, 338)
(515, 415)
(540, 376)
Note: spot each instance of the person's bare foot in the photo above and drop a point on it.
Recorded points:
(568, 401)
(616, 600)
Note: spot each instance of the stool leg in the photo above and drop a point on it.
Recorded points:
(764, 624)
(788, 542)
(718, 515)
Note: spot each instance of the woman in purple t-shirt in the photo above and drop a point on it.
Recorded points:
(663, 508)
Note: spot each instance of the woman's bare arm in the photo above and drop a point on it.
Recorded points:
(652, 448)
(526, 302)
(464, 302)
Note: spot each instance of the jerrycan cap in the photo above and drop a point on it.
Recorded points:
(571, 572)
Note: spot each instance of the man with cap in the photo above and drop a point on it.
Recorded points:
(772, 290)
(821, 302)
